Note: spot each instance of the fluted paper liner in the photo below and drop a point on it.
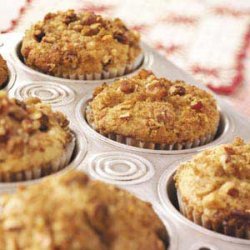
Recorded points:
(40, 171)
(112, 73)
(242, 231)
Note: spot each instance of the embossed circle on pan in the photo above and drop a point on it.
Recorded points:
(120, 168)
(51, 93)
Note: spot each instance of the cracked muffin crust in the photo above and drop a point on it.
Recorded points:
(151, 109)
(33, 139)
(74, 44)
(4, 74)
(214, 188)
(73, 212)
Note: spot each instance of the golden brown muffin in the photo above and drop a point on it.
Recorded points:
(73, 45)
(214, 188)
(4, 73)
(72, 212)
(34, 140)
(154, 112)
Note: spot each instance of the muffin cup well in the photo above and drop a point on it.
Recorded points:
(239, 231)
(38, 172)
(151, 145)
(115, 72)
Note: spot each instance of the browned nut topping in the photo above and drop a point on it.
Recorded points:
(39, 34)
(143, 74)
(196, 105)
(70, 17)
(49, 39)
(89, 19)
(125, 115)
(121, 38)
(177, 90)
(233, 192)
(229, 150)
(157, 89)
(127, 86)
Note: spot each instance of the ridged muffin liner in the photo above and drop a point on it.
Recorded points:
(239, 231)
(115, 72)
(151, 145)
(40, 171)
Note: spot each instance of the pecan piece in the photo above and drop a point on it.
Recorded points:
(70, 17)
(127, 86)
(121, 38)
(44, 123)
(177, 90)
(233, 192)
(156, 89)
(39, 34)
(89, 19)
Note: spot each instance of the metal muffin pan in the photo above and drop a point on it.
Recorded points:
(144, 172)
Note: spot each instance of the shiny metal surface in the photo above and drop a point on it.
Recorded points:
(144, 172)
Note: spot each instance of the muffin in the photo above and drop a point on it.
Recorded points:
(72, 212)
(4, 73)
(214, 189)
(34, 140)
(150, 112)
(81, 46)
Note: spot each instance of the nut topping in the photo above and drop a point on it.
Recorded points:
(156, 89)
(177, 90)
(121, 38)
(233, 192)
(127, 87)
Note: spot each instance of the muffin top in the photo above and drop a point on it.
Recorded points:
(4, 74)
(30, 130)
(72, 212)
(153, 109)
(216, 182)
(79, 43)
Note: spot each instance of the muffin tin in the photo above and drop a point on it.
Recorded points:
(146, 173)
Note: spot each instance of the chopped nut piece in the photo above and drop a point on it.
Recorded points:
(121, 38)
(177, 90)
(233, 192)
(127, 86)
(39, 34)
(125, 115)
(156, 89)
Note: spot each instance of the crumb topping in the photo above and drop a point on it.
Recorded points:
(79, 43)
(28, 130)
(4, 74)
(67, 211)
(153, 109)
(217, 181)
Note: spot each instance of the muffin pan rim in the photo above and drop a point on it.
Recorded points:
(165, 180)
(147, 190)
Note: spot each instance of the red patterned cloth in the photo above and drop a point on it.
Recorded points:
(209, 39)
